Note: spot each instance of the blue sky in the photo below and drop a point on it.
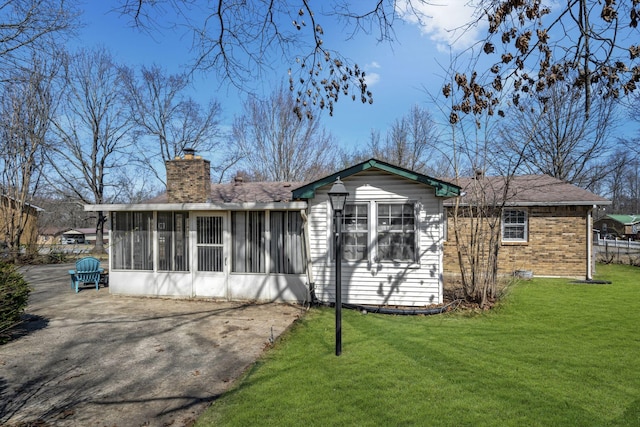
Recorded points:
(399, 74)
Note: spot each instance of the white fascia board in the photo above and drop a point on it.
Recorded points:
(583, 203)
(550, 204)
(250, 206)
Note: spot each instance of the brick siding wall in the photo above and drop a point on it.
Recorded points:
(556, 246)
(188, 180)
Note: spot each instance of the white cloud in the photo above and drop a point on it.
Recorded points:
(372, 77)
(446, 22)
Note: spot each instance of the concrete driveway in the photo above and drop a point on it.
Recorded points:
(95, 359)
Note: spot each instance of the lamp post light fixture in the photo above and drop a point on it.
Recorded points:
(338, 198)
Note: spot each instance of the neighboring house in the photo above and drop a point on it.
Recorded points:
(273, 241)
(10, 219)
(69, 236)
(51, 235)
(622, 226)
(73, 236)
(90, 235)
(545, 226)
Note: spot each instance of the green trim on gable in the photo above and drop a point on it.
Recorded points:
(443, 189)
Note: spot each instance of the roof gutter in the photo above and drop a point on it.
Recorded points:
(527, 204)
(248, 206)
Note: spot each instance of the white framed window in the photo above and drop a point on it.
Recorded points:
(396, 232)
(355, 232)
(514, 225)
(379, 232)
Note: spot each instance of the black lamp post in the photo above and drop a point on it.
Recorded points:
(338, 197)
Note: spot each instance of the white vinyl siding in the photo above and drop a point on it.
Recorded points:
(415, 282)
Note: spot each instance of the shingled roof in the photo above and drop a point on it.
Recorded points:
(246, 192)
(526, 190)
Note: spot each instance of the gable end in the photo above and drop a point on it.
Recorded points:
(442, 189)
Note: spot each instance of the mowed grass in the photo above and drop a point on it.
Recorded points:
(553, 353)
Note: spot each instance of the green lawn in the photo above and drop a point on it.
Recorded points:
(551, 354)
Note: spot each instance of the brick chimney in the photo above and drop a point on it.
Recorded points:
(188, 178)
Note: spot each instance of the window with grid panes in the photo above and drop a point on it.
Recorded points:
(396, 233)
(514, 225)
(355, 231)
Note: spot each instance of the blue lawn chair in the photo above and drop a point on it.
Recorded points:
(87, 271)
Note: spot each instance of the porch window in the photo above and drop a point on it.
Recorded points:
(355, 232)
(287, 245)
(514, 225)
(248, 244)
(173, 241)
(396, 232)
(132, 236)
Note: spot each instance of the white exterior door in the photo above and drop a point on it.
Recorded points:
(210, 267)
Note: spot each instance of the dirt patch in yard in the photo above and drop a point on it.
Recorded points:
(95, 359)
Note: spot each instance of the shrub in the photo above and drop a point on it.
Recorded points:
(14, 295)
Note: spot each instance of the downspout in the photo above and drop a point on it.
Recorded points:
(307, 249)
(590, 253)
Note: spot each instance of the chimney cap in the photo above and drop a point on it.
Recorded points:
(188, 151)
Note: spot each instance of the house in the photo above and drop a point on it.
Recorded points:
(51, 235)
(274, 241)
(73, 236)
(11, 219)
(545, 224)
(89, 235)
(623, 226)
(57, 235)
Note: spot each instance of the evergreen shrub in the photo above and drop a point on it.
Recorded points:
(14, 295)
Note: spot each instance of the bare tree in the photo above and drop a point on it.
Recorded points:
(277, 146)
(242, 40)
(410, 143)
(557, 139)
(28, 26)
(532, 47)
(92, 130)
(624, 183)
(584, 42)
(486, 176)
(27, 104)
(171, 120)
